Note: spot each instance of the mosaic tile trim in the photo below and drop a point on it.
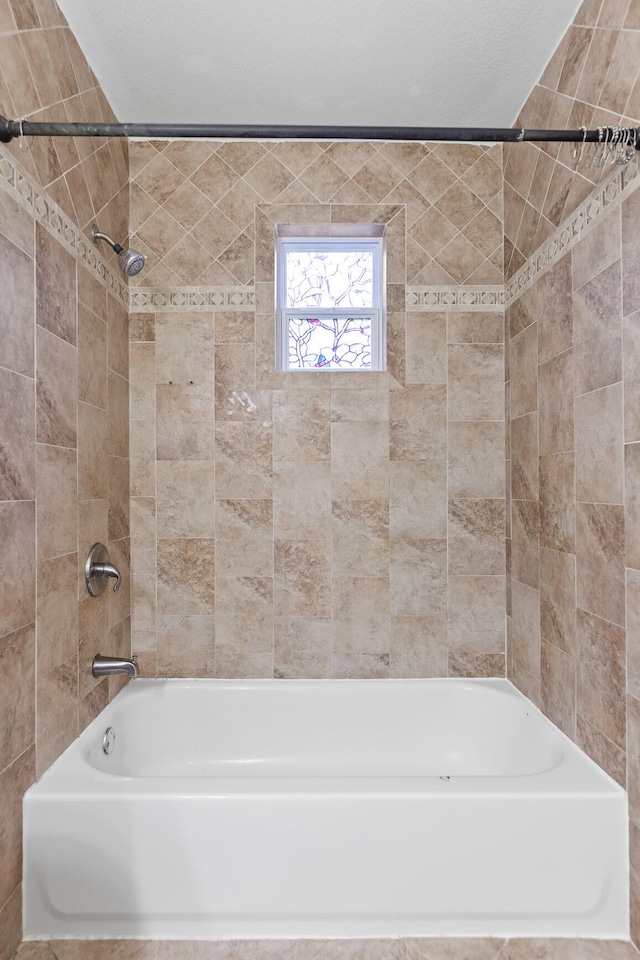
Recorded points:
(571, 231)
(192, 298)
(455, 298)
(35, 201)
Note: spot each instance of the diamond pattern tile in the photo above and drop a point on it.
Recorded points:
(323, 178)
(194, 205)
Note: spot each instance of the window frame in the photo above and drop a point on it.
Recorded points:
(332, 237)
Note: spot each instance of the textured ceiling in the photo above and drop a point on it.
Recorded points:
(384, 62)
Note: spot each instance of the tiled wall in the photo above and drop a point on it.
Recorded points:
(192, 204)
(573, 341)
(63, 419)
(592, 79)
(572, 391)
(297, 525)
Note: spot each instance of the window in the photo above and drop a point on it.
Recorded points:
(330, 297)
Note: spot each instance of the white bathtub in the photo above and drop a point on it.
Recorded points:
(317, 808)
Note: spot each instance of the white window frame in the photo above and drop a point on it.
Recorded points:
(334, 237)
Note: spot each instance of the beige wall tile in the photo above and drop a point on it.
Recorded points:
(57, 712)
(244, 621)
(525, 635)
(57, 611)
(302, 647)
(418, 646)
(557, 502)
(17, 436)
(417, 423)
(118, 405)
(93, 638)
(11, 919)
(600, 540)
(93, 460)
(418, 499)
(244, 457)
(601, 675)
(631, 366)
(360, 464)
(184, 427)
(185, 498)
(557, 599)
(599, 445)
(524, 371)
(360, 613)
(244, 537)
(360, 538)
(57, 493)
(630, 252)
(476, 459)
(418, 577)
(186, 646)
(524, 457)
(55, 287)
(360, 404)
(633, 754)
(632, 504)
(184, 347)
(302, 583)
(476, 615)
(301, 425)
(475, 378)
(558, 687)
(633, 632)
(142, 362)
(92, 357)
(476, 537)
(597, 330)
(301, 499)
(118, 502)
(17, 313)
(17, 703)
(118, 337)
(14, 780)
(426, 346)
(556, 396)
(185, 577)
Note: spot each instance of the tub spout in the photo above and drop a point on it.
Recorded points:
(107, 666)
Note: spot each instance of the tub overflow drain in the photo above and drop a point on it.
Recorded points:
(108, 740)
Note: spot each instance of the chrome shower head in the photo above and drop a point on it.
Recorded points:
(130, 261)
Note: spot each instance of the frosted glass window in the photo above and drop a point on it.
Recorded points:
(330, 312)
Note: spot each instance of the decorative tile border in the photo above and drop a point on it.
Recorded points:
(455, 298)
(570, 232)
(35, 201)
(193, 298)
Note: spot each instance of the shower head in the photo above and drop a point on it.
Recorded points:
(129, 261)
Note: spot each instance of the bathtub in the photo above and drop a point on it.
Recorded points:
(321, 808)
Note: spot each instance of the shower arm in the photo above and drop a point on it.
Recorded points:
(10, 129)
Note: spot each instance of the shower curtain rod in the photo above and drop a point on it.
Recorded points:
(10, 129)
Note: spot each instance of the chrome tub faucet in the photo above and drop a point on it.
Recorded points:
(108, 666)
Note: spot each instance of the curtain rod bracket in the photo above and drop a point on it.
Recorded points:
(7, 130)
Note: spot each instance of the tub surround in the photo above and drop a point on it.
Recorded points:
(549, 664)
(63, 419)
(355, 520)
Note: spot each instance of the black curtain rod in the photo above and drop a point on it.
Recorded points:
(10, 129)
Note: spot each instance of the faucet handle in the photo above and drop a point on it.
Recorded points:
(106, 570)
(98, 569)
